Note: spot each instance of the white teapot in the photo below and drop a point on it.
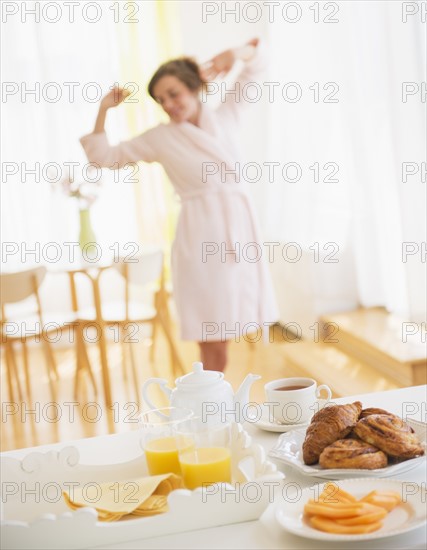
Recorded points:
(206, 393)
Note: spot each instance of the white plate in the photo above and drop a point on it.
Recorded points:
(409, 515)
(288, 450)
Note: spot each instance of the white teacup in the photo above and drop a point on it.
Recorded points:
(294, 400)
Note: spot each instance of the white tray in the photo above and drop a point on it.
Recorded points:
(288, 450)
(49, 523)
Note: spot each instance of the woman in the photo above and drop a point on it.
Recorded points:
(220, 292)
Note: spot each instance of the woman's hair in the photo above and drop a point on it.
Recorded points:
(184, 68)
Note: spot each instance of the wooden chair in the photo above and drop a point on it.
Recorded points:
(141, 272)
(16, 287)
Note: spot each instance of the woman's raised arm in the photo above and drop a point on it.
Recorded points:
(222, 63)
(233, 100)
(100, 152)
(112, 99)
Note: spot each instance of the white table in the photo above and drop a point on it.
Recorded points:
(409, 402)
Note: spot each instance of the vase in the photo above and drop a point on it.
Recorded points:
(87, 238)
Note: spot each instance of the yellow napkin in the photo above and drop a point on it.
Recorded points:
(144, 496)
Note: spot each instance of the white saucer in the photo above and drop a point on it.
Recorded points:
(264, 423)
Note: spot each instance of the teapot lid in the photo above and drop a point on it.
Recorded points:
(200, 376)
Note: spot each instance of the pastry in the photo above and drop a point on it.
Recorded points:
(352, 435)
(390, 434)
(328, 425)
(352, 453)
(373, 410)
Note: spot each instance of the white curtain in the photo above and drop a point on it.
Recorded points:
(44, 130)
(369, 213)
(45, 56)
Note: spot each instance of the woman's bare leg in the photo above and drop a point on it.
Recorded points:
(213, 355)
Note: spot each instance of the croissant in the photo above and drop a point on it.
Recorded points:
(329, 425)
(390, 434)
(352, 453)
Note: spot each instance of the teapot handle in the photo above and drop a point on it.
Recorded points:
(163, 386)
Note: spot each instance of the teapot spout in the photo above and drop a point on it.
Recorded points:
(241, 397)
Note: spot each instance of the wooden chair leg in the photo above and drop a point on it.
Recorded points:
(82, 363)
(155, 326)
(160, 305)
(52, 360)
(166, 323)
(26, 371)
(79, 363)
(134, 372)
(88, 367)
(164, 308)
(124, 361)
(177, 366)
(9, 373)
(154, 333)
(49, 367)
(14, 370)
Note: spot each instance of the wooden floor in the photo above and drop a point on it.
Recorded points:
(385, 342)
(25, 425)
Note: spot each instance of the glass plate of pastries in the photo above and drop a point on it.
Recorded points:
(347, 440)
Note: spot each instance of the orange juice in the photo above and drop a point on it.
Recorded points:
(205, 465)
(162, 455)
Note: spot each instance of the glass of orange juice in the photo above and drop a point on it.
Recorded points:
(208, 459)
(159, 441)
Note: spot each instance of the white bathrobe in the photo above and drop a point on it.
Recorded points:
(219, 295)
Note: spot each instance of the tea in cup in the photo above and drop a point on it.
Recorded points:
(294, 400)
